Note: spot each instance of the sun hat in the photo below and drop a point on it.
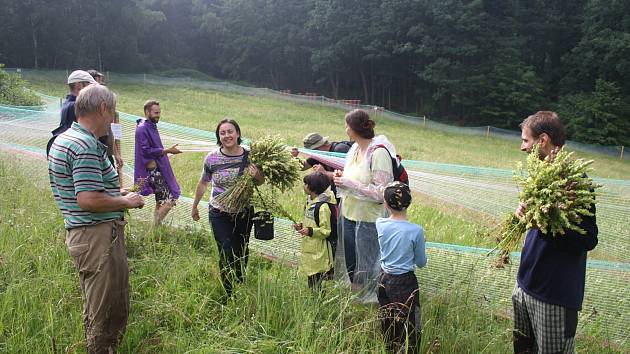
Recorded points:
(314, 140)
(80, 76)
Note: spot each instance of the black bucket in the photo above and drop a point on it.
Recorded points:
(263, 225)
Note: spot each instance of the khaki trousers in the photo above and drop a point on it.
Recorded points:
(99, 254)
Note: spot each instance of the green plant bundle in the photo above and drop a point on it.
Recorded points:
(238, 196)
(272, 157)
(280, 169)
(556, 192)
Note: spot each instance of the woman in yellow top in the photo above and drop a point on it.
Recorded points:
(367, 171)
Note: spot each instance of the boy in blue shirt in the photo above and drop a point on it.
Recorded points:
(402, 250)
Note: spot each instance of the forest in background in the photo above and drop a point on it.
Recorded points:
(479, 62)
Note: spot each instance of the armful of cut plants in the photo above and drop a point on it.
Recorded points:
(557, 193)
(279, 169)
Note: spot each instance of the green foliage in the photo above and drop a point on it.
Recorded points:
(556, 190)
(14, 92)
(556, 193)
(470, 62)
(601, 117)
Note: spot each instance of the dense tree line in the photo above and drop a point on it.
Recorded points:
(471, 62)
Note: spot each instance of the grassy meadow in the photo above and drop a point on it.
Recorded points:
(202, 109)
(258, 116)
(176, 292)
(174, 276)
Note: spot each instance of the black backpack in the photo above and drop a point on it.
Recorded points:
(332, 238)
(400, 174)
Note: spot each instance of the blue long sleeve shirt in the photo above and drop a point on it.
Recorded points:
(68, 115)
(553, 268)
(401, 244)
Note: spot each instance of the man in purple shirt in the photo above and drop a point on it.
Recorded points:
(152, 168)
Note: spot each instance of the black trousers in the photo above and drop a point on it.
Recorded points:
(399, 312)
(231, 232)
(315, 280)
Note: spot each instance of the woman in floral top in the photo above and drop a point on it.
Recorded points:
(231, 228)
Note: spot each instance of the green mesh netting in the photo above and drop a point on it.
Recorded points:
(487, 191)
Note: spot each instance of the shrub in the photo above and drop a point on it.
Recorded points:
(13, 91)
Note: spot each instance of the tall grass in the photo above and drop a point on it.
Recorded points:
(176, 292)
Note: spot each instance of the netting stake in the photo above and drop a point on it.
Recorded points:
(424, 120)
(621, 156)
(488, 131)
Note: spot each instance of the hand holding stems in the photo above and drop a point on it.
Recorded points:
(134, 200)
(256, 174)
(341, 181)
(520, 211)
(172, 150)
(304, 231)
(294, 152)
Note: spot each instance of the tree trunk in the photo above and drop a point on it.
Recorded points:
(100, 58)
(34, 36)
(372, 82)
(383, 104)
(274, 79)
(404, 97)
(365, 86)
(334, 83)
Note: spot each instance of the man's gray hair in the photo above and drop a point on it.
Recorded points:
(90, 99)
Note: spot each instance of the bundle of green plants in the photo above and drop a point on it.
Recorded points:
(271, 156)
(556, 193)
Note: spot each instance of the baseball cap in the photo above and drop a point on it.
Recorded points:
(314, 140)
(397, 195)
(80, 76)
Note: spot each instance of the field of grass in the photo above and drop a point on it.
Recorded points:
(176, 290)
(174, 273)
(258, 116)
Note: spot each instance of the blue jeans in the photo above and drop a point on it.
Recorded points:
(231, 232)
(361, 251)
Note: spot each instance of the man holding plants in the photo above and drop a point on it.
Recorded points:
(87, 191)
(153, 170)
(550, 283)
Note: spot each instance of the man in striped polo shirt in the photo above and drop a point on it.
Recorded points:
(87, 191)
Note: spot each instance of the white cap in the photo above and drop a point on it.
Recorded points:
(80, 76)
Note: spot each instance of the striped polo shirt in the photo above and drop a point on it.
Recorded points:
(77, 162)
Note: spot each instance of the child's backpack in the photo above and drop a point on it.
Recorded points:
(334, 211)
(400, 174)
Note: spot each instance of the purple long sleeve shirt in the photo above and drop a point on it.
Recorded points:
(149, 147)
